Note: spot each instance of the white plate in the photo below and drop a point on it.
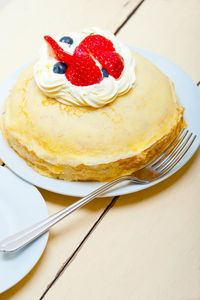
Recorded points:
(190, 99)
(21, 205)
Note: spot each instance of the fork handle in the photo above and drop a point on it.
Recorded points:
(22, 238)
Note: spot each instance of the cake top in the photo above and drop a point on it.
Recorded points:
(88, 68)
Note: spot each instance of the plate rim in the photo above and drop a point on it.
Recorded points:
(49, 184)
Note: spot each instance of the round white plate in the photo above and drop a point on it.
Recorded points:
(21, 205)
(190, 99)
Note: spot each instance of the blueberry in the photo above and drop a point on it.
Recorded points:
(60, 68)
(67, 40)
(104, 72)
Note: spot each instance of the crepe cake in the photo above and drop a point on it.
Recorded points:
(90, 109)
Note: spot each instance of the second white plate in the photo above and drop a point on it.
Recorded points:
(190, 99)
(21, 205)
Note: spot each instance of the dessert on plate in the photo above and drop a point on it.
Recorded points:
(90, 109)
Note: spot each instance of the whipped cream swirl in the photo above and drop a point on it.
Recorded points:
(57, 86)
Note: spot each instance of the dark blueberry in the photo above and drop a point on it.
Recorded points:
(104, 72)
(60, 68)
(67, 40)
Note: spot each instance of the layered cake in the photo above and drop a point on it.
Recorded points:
(90, 109)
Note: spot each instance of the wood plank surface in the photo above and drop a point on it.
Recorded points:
(147, 246)
(169, 28)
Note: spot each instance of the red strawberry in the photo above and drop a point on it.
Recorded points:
(103, 50)
(83, 70)
(99, 42)
(56, 51)
(111, 61)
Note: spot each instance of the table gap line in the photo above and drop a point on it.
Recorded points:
(80, 245)
(128, 17)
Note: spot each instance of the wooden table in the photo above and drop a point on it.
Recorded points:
(140, 246)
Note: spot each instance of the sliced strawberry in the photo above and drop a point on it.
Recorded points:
(103, 50)
(111, 61)
(56, 51)
(98, 42)
(83, 70)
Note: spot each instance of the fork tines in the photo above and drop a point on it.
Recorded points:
(173, 154)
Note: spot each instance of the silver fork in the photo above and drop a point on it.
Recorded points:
(160, 167)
